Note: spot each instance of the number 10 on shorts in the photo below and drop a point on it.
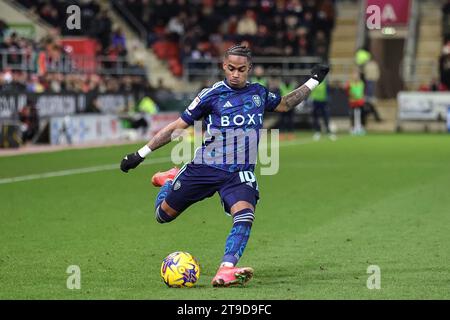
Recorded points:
(248, 177)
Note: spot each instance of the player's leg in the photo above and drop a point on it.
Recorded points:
(163, 212)
(228, 274)
(243, 216)
(363, 115)
(326, 120)
(191, 184)
(326, 117)
(239, 196)
(316, 123)
(352, 120)
(290, 124)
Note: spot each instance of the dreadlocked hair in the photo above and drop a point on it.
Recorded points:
(239, 50)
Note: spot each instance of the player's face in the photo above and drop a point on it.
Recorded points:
(236, 69)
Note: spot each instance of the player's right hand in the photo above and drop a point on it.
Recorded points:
(320, 71)
(130, 161)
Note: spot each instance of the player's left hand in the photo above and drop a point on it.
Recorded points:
(320, 71)
(130, 161)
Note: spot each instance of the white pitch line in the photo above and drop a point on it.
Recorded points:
(107, 167)
(70, 172)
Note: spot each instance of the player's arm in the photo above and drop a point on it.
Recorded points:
(163, 137)
(292, 99)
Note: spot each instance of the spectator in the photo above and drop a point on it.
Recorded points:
(355, 91)
(434, 86)
(139, 119)
(303, 43)
(287, 118)
(176, 24)
(137, 56)
(321, 45)
(19, 81)
(34, 84)
(371, 75)
(29, 120)
(286, 86)
(247, 24)
(162, 92)
(51, 84)
(261, 40)
(362, 56)
(326, 18)
(118, 38)
(7, 79)
(319, 98)
(101, 29)
(258, 76)
(148, 106)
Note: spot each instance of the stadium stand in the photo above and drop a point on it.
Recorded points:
(49, 65)
(204, 29)
(96, 22)
(44, 66)
(188, 37)
(65, 72)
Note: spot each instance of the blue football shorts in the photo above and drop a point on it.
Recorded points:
(196, 182)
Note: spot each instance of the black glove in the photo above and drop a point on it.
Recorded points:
(319, 72)
(130, 161)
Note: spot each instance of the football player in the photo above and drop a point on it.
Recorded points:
(233, 105)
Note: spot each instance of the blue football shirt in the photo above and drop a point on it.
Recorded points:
(233, 119)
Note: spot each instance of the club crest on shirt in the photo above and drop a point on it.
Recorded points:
(194, 103)
(257, 100)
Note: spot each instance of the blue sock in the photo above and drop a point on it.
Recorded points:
(161, 215)
(238, 237)
(162, 194)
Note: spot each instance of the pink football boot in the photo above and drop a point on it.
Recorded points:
(228, 276)
(160, 178)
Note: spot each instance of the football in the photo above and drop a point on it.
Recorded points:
(180, 269)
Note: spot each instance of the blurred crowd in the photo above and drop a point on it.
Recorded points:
(203, 28)
(37, 80)
(27, 65)
(20, 81)
(94, 21)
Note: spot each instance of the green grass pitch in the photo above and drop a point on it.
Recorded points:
(333, 209)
